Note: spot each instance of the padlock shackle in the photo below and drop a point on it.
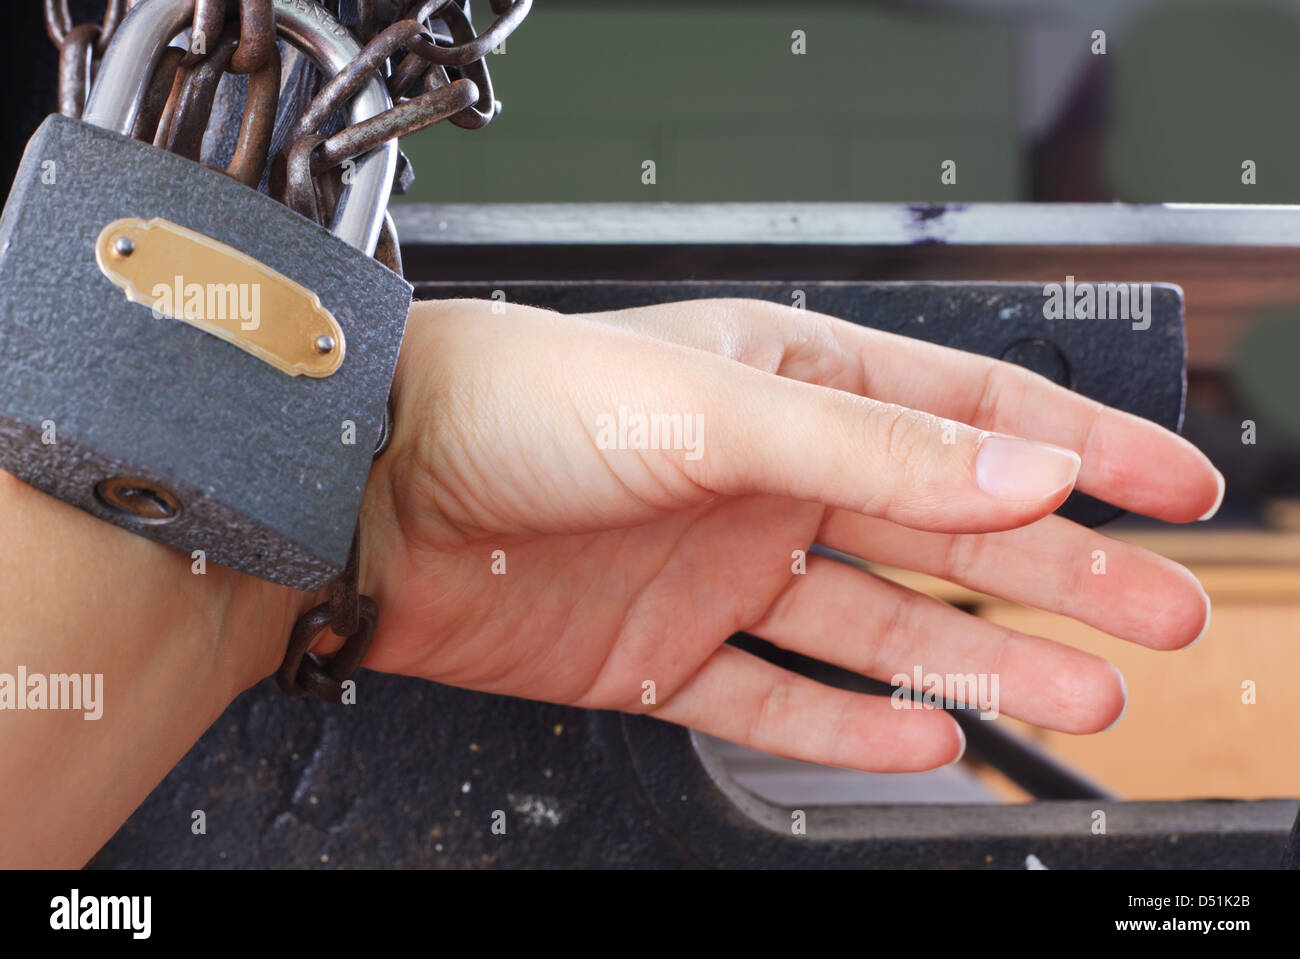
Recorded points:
(144, 34)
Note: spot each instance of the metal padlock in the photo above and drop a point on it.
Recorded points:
(251, 438)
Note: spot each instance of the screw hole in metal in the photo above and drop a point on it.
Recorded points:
(1042, 357)
(138, 500)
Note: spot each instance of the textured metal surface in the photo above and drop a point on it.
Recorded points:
(1140, 371)
(256, 458)
(412, 774)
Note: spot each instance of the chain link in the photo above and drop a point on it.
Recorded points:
(80, 47)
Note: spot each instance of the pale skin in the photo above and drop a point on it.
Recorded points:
(628, 565)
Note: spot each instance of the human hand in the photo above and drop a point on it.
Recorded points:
(628, 565)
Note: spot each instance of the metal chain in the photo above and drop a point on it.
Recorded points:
(421, 88)
(434, 65)
(428, 50)
(80, 47)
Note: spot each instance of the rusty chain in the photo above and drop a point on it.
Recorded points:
(80, 45)
(427, 50)
(434, 65)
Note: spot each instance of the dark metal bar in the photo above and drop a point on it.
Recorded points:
(1033, 770)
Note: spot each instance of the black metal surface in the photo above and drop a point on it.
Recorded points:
(1025, 764)
(1291, 858)
(382, 783)
(1137, 370)
(412, 775)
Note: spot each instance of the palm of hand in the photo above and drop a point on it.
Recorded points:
(571, 577)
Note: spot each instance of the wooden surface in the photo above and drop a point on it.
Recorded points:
(1187, 733)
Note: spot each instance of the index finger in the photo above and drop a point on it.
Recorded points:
(1128, 461)
(1131, 462)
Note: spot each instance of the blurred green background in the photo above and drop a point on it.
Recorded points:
(712, 93)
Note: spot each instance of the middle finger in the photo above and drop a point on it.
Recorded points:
(1052, 564)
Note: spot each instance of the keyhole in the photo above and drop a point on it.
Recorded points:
(138, 499)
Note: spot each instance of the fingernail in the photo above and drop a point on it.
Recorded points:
(1218, 500)
(961, 753)
(1206, 628)
(1123, 686)
(1014, 469)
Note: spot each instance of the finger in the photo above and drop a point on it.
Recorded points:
(1128, 461)
(674, 426)
(871, 626)
(761, 433)
(740, 698)
(1053, 564)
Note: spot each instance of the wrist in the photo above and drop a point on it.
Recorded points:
(375, 523)
(165, 649)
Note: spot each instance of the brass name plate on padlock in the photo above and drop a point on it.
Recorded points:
(193, 278)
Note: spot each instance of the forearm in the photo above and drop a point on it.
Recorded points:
(165, 648)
